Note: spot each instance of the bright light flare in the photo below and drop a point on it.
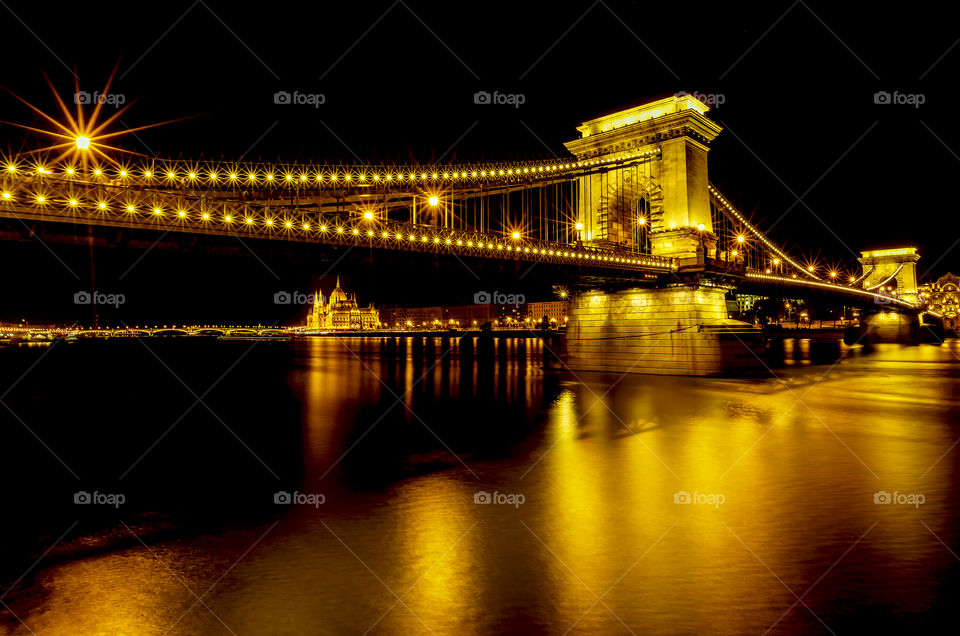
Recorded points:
(78, 134)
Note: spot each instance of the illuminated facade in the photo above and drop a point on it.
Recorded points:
(943, 297)
(340, 312)
(555, 311)
(445, 317)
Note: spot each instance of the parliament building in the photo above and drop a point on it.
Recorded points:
(340, 312)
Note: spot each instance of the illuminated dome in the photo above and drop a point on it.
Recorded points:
(338, 295)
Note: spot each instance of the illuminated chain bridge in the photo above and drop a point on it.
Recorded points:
(521, 210)
(632, 201)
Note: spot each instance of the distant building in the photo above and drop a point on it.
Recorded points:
(421, 317)
(943, 297)
(449, 316)
(555, 311)
(472, 316)
(340, 312)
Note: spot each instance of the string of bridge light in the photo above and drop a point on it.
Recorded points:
(808, 271)
(833, 286)
(462, 241)
(175, 172)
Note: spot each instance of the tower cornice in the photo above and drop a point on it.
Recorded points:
(645, 125)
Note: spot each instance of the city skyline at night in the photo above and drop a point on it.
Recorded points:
(408, 317)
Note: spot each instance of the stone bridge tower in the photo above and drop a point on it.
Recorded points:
(677, 133)
(884, 266)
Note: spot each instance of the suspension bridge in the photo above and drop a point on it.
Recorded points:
(632, 202)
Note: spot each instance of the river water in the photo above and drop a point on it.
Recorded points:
(450, 498)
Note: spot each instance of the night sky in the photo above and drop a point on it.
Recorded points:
(797, 83)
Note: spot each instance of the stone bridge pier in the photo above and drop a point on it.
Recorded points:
(681, 330)
(889, 326)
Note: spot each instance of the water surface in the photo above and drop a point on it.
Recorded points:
(783, 534)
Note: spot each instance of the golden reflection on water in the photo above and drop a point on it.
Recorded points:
(600, 541)
(438, 548)
(798, 463)
(124, 593)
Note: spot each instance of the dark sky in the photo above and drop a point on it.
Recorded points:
(797, 81)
